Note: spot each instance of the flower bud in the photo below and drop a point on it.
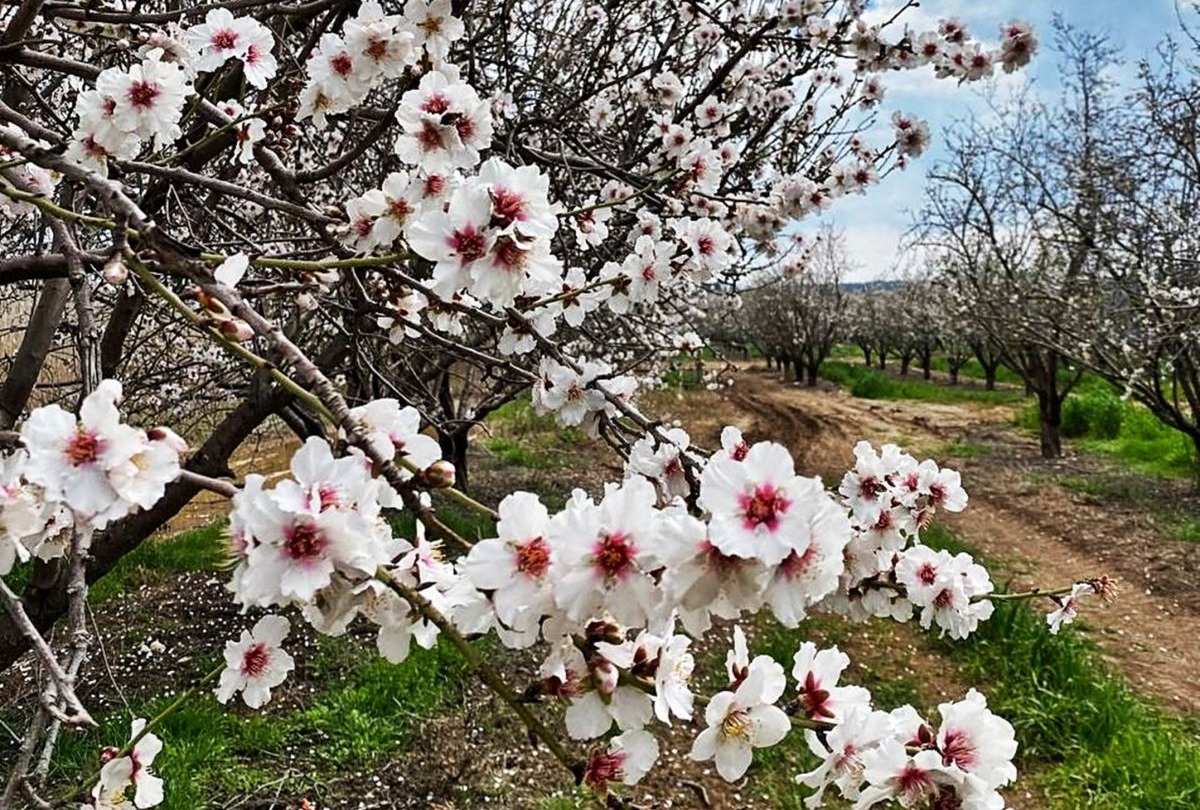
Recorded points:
(115, 272)
(439, 475)
(235, 329)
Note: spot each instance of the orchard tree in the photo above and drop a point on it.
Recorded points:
(1144, 266)
(367, 220)
(995, 217)
(866, 323)
(797, 316)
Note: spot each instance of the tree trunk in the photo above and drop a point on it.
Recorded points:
(866, 350)
(1196, 462)
(927, 366)
(35, 345)
(989, 378)
(905, 362)
(954, 375)
(454, 449)
(789, 369)
(882, 361)
(1050, 421)
(813, 368)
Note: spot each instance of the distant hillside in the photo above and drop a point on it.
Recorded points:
(864, 286)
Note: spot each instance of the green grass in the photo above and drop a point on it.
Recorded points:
(360, 711)
(1173, 515)
(154, 560)
(521, 437)
(1123, 430)
(364, 710)
(961, 448)
(872, 384)
(1091, 740)
(973, 370)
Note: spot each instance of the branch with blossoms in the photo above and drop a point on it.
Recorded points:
(471, 217)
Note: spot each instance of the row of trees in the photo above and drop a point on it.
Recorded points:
(1067, 230)
(1057, 237)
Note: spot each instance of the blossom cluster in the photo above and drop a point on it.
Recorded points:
(604, 582)
(80, 471)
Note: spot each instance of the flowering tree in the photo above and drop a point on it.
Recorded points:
(795, 315)
(1125, 218)
(366, 219)
(865, 324)
(984, 223)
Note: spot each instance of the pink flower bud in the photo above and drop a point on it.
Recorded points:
(115, 272)
(439, 475)
(235, 329)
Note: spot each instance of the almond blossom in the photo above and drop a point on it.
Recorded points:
(816, 673)
(121, 775)
(758, 504)
(147, 99)
(222, 37)
(98, 466)
(743, 719)
(606, 553)
(627, 759)
(515, 565)
(255, 663)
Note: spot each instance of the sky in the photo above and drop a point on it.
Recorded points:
(875, 223)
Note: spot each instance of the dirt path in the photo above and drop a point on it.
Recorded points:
(1039, 532)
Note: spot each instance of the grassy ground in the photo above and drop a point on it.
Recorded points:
(1094, 416)
(873, 384)
(343, 712)
(1090, 741)
(361, 711)
(1099, 420)
(1086, 739)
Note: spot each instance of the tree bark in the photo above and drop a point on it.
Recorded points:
(454, 444)
(31, 355)
(1050, 421)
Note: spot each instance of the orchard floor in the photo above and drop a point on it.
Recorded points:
(443, 742)
(1020, 515)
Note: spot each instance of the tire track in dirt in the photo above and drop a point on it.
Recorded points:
(1153, 640)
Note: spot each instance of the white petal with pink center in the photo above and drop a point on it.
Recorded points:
(841, 750)
(131, 771)
(627, 759)
(515, 565)
(977, 741)
(816, 673)
(256, 663)
(605, 553)
(913, 780)
(77, 461)
(759, 506)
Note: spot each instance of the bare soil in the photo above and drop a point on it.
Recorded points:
(1038, 531)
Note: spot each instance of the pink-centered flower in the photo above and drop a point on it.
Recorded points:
(256, 663)
(759, 506)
